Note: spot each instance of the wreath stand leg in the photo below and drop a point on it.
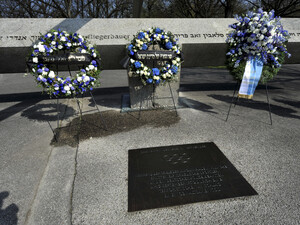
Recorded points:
(268, 101)
(235, 89)
(101, 117)
(267, 93)
(173, 99)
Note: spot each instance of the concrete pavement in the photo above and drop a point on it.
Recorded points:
(87, 184)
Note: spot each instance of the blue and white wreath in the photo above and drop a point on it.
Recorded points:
(257, 35)
(53, 42)
(142, 41)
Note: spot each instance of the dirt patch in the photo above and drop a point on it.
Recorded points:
(111, 122)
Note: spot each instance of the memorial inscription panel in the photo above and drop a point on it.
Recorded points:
(182, 174)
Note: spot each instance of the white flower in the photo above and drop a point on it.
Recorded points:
(174, 61)
(59, 79)
(56, 88)
(41, 77)
(86, 78)
(41, 48)
(261, 37)
(145, 68)
(51, 74)
(79, 79)
(63, 38)
(33, 70)
(35, 59)
(69, 92)
(164, 76)
(83, 51)
(67, 88)
(69, 44)
(60, 46)
(256, 18)
(94, 55)
(56, 33)
(156, 77)
(44, 73)
(91, 67)
(53, 43)
(132, 60)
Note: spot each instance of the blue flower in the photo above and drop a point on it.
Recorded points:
(46, 69)
(169, 45)
(83, 70)
(158, 30)
(141, 35)
(94, 62)
(157, 81)
(145, 47)
(39, 70)
(149, 81)
(44, 80)
(130, 47)
(137, 65)
(155, 71)
(174, 69)
(131, 52)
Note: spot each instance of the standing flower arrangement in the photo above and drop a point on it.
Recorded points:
(166, 41)
(57, 41)
(257, 35)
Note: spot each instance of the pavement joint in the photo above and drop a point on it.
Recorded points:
(28, 214)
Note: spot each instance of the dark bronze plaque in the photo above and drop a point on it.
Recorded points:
(181, 174)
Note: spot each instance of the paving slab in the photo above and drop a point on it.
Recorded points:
(87, 184)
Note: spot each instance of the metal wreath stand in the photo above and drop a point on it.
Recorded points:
(155, 63)
(237, 98)
(77, 100)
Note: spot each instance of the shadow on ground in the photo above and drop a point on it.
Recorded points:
(8, 216)
(109, 123)
(48, 112)
(260, 105)
(186, 102)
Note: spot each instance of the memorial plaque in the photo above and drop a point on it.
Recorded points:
(182, 174)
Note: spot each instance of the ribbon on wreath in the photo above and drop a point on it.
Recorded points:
(251, 78)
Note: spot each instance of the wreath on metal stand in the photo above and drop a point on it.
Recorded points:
(166, 41)
(62, 48)
(76, 50)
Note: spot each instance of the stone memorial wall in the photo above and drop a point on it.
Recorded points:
(203, 40)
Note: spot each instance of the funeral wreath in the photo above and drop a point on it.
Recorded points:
(53, 43)
(257, 35)
(166, 41)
